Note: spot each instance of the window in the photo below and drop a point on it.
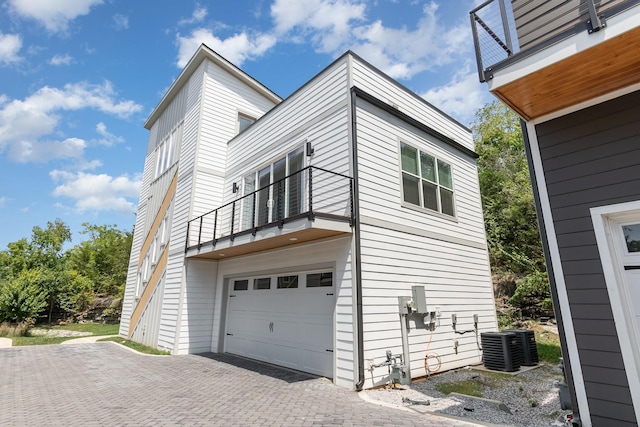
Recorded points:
(262, 283)
(166, 150)
(244, 122)
(426, 181)
(632, 237)
(240, 285)
(318, 280)
(287, 282)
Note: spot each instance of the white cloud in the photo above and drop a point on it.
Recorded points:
(23, 123)
(3, 200)
(108, 138)
(97, 192)
(236, 49)
(55, 15)
(61, 60)
(43, 151)
(10, 45)
(327, 22)
(461, 97)
(198, 15)
(121, 22)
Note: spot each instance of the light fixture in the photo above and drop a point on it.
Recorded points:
(309, 149)
(293, 239)
(220, 254)
(235, 187)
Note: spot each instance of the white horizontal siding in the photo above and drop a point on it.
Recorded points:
(456, 280)
(197, 307)
(332, 253)
(292, 122)
(380, 86)
(380, 189)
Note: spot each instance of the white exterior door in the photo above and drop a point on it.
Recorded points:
(629, 234)
(284, 319)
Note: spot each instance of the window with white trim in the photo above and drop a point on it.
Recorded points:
(426, 181)
(244, 122)
(166, 150)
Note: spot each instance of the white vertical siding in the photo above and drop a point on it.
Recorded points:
(389, 91)
(334, 253)
(146, 330)
(197, 307)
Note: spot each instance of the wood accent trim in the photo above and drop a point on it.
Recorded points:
(158, 219)
(148, 290)
(606, 67)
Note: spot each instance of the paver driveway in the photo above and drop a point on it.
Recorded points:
(103, 384)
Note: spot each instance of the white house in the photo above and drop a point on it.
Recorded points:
(286, 230)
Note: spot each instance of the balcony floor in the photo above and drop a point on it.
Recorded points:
(270, 237)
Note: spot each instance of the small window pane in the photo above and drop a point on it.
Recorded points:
(430, 193)
(319, 279)
(244, 122)
(428, 166)
(264, 283)
(287, 282)
(632, 237)
(444, 175)
(447, 202)
(240, 285)
(409, 159)
(410, 189)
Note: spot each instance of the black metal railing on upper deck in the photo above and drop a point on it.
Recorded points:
(507, 30)
(308, 193)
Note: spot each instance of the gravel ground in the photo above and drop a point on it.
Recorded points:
(530, 398)
(59, 333)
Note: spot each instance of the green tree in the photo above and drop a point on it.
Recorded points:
(103, 258)
(507, 198)
(513, 236)
(22, 297)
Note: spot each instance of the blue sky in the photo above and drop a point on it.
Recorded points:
(78, 78)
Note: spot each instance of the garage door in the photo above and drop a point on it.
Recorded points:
(285, 319)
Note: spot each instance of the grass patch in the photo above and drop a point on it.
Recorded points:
(548, 345)
(38, 340)
(94, 328)
(468, 387)
(136, 346)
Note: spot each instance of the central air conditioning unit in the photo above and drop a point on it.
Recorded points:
(527, 342)
(501, 351)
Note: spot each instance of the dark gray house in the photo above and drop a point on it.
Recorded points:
(571, 70)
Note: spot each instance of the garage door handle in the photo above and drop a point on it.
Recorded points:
(229, 335)
(330, 351)
(271, 327)
(329, 294)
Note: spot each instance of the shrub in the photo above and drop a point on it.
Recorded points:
(17, 329)
(532, 296)
(21, 298)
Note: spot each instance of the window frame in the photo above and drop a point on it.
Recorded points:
(248, 118)
(439, 187)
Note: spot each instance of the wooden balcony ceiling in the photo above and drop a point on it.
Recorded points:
(244, 245)
(604, 68)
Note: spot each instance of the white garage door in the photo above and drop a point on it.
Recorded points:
(285, 319)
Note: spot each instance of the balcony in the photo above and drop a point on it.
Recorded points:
(540, 57)
(310, 204)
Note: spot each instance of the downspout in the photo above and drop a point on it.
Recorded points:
(358, 251)
(550, 275)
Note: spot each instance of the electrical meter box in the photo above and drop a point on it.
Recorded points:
(419, 299)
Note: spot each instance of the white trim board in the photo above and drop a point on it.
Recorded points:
(561, 286)
(603, 218)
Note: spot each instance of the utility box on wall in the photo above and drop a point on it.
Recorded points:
(419, 299)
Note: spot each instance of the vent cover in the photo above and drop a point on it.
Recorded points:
(527, 342)
(501, 351)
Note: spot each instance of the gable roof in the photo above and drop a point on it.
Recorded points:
(204, 52)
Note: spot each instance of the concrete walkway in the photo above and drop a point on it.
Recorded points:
(104, 384)
(5, 342)
(87, 340)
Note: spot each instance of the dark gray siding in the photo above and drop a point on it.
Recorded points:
(537, 21)
(592, 158)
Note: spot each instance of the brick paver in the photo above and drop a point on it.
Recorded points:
(103, 384)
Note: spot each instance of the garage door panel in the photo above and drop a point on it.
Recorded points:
(288, 327)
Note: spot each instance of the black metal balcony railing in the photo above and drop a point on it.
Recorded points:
(309, 192)
(505, 30)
